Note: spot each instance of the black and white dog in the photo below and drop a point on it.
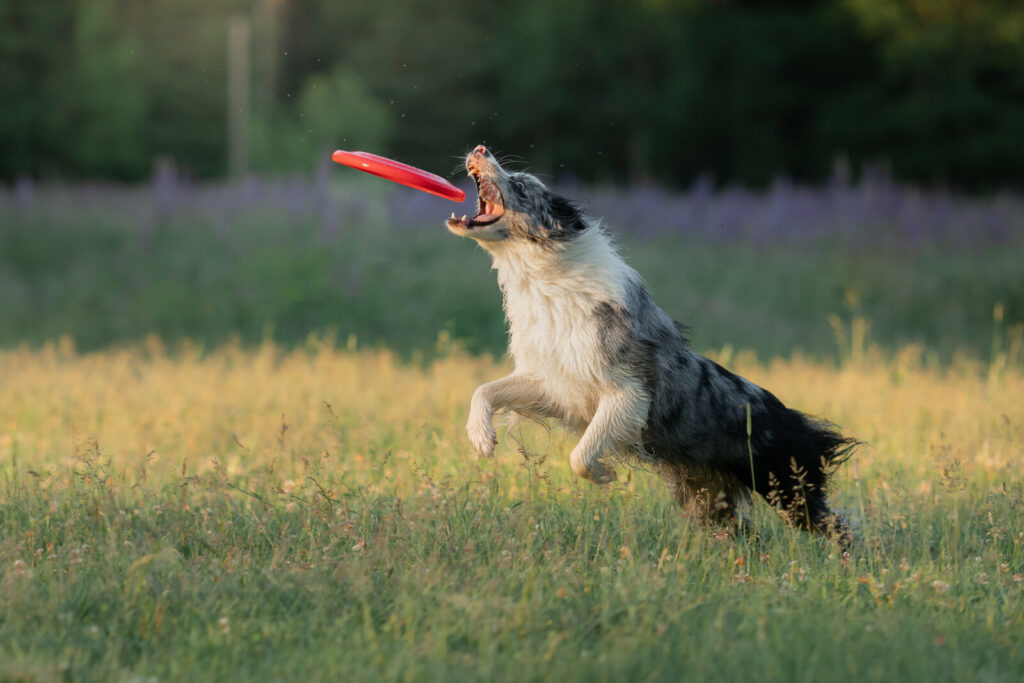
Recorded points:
(593, 350)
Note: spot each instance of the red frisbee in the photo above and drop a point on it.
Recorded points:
(400, 173)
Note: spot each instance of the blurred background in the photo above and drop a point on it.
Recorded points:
(789, 176)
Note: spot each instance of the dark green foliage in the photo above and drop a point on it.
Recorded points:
(602, 90)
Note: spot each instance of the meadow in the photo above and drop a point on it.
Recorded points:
(317, 513)
(193, 486)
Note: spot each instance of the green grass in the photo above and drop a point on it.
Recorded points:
(201, 581)
(263, 515)
(111, 272)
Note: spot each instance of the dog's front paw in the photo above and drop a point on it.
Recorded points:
(482, 436)
(602, 474)
(592, 470)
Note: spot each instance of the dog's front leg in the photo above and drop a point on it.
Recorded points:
(516, 392)
(616, 424)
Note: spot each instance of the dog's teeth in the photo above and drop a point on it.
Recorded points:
(463, 218)
(453, 215)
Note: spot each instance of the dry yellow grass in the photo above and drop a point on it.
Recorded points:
(147, 408)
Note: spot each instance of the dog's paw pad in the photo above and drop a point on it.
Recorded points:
(602, 474)
(593, 470)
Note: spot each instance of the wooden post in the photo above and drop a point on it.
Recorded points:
(238, 96)
(272, 50)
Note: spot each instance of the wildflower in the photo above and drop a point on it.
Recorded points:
(20, 568)
(1018, 577)
(288, 486)
(625, 553)
(983, 579)
(225, 624)
(561, 593)
(904, 565)
(845, 558)
(766, 558)
(940, 586)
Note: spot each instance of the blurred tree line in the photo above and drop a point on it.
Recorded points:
(604, 90)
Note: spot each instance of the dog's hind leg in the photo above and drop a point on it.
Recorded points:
(706, 495)
(515, 392)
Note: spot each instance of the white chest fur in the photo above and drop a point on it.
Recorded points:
(556, 337)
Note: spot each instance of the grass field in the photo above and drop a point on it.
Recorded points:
(259, 503)
(263, 513)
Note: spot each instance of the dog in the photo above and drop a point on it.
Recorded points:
(593, 350)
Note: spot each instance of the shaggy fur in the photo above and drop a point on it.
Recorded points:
(593, 350)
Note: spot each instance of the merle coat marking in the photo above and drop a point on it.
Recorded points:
(592, 349)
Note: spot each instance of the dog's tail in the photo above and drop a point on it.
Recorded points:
(791, 458)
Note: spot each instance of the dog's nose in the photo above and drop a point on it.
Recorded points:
(480, 149)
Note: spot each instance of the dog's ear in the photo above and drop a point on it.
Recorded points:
(564, 215)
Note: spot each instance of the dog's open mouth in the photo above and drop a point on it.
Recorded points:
(490, 206)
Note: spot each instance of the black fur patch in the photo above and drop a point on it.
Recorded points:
(793, 456)
(565, 217)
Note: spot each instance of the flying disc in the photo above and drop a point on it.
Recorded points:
(400, 173)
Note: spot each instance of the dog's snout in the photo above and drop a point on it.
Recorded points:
(479, 160)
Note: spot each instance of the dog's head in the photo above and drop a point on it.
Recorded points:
(515, 207)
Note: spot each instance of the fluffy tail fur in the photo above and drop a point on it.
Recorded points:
(782, 454)
(793, 456)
